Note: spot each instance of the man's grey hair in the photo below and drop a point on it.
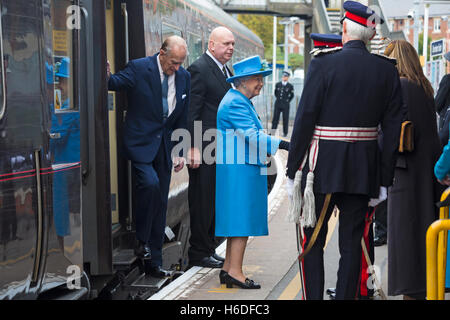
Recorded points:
(172, 41)
(358, 32)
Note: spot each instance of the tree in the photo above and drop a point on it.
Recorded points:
(262, 26)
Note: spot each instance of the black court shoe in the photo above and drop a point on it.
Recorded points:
(222, 276)
(248, 284)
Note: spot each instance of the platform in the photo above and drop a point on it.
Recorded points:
(270, 260)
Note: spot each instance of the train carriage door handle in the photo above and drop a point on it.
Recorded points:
(3, 72)
(85, 162)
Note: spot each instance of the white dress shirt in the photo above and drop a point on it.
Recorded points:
(218, 63)
(171, 93)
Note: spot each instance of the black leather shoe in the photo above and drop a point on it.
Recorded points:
(331, 291)
(379, 241)
(157, 272)
(248, 284)
(218, 258)
(208, 262)
(143, 251)
(222, 276)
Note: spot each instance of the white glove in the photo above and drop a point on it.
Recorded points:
(290, 187)
(383, 196)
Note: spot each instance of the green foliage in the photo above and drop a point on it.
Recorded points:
(296, 61)
(262, 26)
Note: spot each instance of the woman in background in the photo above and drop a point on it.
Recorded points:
(412, 197)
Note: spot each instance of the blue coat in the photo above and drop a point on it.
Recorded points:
(144, 127)
(241, 177)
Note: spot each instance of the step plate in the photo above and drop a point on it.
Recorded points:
(124, 257)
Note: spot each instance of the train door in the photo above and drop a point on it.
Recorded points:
(63, 87)
(24, 165)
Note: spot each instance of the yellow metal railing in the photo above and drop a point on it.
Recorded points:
(436, 242)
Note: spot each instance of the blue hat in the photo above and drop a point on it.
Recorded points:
(361, 14)
(249, 67)
(326, 40)
(48, 73)
(63, 68)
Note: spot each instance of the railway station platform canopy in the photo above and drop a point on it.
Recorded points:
(299, 8)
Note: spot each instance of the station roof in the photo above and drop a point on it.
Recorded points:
(399, 9)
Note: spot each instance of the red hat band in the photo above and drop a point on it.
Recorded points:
(356, 18)
(326, 44)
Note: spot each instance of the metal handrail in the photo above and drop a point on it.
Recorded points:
(436, 246)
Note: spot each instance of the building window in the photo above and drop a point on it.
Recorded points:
(437, 25)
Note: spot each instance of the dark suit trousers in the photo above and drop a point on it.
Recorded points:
(152, 182)
(202, 202)
(352, 213)
(281, 108)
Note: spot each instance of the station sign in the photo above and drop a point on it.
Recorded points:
(437, 48)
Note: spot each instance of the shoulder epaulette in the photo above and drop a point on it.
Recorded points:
(382, 56)
(320, 51)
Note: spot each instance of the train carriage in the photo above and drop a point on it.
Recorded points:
(66, 209)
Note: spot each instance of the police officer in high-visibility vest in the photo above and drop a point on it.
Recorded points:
(284, 93)
(334, 158)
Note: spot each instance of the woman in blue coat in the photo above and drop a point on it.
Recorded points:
(241, 171)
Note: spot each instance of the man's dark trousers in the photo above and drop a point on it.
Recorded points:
(352, 213)
(202, 209)
(152, 182)
(281, 108)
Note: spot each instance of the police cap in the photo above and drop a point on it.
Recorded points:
(326, 40)
(361, 14)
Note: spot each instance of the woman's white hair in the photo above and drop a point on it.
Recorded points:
(359, 32)
(240, 81)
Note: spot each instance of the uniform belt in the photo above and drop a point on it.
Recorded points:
(342, 134)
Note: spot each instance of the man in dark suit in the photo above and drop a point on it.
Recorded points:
(284, 93)
(347, 95)
(209, 74)
(158, 99)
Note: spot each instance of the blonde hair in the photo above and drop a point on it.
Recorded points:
(408, 64)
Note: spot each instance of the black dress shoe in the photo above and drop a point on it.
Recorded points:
(143, 251)
(379, 241)
(331, 291)
(218, 258)
(248, 284)
(208, 262)
(157, 272)
(222, 276)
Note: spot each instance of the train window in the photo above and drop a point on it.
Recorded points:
(194, 46)
(65, 41)
(169, 30)
(4, 67)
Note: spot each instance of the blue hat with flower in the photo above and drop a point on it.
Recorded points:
(251, 66)
(62, 68)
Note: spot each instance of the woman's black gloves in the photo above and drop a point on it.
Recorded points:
(284, 145)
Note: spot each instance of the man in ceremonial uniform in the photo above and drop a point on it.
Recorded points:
(334, 154)
(284, 93)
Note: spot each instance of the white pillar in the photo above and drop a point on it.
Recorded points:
(416, 24)
(274, 61)
(425, 32)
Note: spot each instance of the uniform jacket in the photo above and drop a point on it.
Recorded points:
(241, 180)
(349, 88)
(208, 88)
(144, 127)
(284, 94)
